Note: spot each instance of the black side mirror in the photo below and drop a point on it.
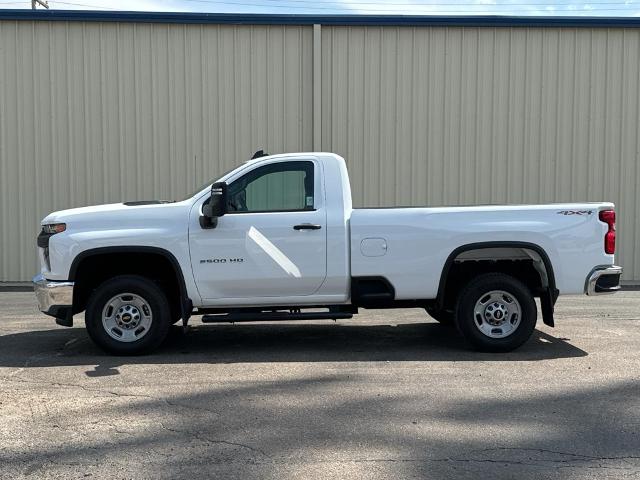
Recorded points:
(218, 201)
(216, 207)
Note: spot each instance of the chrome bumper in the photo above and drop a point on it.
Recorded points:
(54, 297)
(604, 280)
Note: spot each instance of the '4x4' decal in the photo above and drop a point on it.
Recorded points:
(575, 212)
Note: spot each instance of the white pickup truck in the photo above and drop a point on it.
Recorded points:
(277, 239)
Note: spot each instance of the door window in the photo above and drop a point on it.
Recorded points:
(277, 187)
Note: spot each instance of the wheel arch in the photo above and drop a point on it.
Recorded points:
(184, 302)
(547, 297)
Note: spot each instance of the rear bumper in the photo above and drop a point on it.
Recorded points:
(55, 298)
(603, 280)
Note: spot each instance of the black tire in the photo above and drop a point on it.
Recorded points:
(156, 307)
(472, 324)
(445, 317)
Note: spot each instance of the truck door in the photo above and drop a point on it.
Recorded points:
(272, 241)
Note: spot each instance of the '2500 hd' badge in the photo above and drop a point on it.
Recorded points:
(222, 260)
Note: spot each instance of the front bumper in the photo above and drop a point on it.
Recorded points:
(604, 280)
(55, 298)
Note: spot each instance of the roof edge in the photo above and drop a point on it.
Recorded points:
(292, 19)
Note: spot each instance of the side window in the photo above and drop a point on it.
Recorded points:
(275, 187)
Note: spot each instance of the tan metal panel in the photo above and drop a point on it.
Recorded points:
(101, 112)
(446, 115)
(105, 112)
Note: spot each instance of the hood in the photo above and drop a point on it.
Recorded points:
(116, 211)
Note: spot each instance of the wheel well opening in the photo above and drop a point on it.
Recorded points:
(522, 263)
(93, 270)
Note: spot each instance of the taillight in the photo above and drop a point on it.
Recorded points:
(609, 217)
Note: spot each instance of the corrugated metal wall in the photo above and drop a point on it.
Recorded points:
(446, 116)
(104, 112)
(100, 112)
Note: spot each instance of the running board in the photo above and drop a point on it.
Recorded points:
(269, 316)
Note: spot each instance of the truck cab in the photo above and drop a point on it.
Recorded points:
(281, 221)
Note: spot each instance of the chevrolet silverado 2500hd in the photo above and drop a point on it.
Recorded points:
(278, 239)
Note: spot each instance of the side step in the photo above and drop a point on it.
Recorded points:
(269, 316)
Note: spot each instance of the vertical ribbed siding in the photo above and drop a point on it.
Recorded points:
(445, 116)
(103, 112)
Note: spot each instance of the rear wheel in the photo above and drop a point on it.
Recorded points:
(496, 312)
(128, 315)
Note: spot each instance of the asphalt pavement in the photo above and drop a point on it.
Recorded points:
(388, 395)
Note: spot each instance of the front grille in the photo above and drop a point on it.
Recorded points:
(45, 254)
(43, 239)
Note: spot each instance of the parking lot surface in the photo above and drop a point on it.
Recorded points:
(390, 394)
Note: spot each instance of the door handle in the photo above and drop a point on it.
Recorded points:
(307, 226)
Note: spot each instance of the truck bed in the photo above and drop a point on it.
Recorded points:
(408, 243)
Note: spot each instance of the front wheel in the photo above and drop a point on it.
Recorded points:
(496, 312)
(128, 315)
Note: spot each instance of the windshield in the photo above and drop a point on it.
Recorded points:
(210, 182)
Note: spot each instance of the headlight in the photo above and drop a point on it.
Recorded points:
(52, 228)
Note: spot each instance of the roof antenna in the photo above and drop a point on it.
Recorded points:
(258, 154)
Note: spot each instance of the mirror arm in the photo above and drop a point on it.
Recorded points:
(208, 222)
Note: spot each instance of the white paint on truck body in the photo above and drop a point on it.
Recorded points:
(283, 266)
(419, 241)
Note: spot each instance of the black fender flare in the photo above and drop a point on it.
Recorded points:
(547, 298)
(186, 305)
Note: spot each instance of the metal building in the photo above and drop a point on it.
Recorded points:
(105, 107)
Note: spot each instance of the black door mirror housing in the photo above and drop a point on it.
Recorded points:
(218, 202)
(216, 207)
